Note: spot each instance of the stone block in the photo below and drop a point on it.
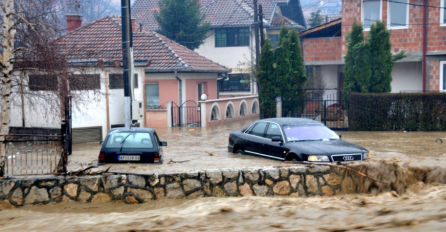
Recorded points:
(17, 196)
(294, 180)
(282, 188)
(284, 172)
(84, 196)
(192, 174)
(332, 179)
(101, 198)
(191, 184)
(153, 180)
(6, 187)
(298, 169)
(311, 183)
(251, 174)
(47, 183)
(318, 169)
(143, 194)
(347, 185)
(27, 183)
(269, 182)
(207, 189)
(231, 188)
(260, 190)
(112, 181)
(230, 173)
(272, 173)
(218, 192)
(131, 200)
(117, 192)
(174, 191)
(136, 180)
(195, 195)
(71, 190)
(159, 193)
(327, 191)
(92, 183)
(56, 192)
(245, 190)
(240, 179)
(36, 195)
(215, 176)
(295, 195)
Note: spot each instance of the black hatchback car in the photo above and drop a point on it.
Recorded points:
(294, 139)
(135, 145)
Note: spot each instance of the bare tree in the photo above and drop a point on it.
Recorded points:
(90, 10)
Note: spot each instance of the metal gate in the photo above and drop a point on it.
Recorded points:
(187, 114)
(327, 106)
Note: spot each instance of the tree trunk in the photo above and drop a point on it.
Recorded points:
(7, 68)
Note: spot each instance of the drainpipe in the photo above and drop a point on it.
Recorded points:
(180, 82)
(424, 44)
(252, 57)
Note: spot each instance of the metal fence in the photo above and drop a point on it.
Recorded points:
(325, 105)
(187, 114)
(32, 154)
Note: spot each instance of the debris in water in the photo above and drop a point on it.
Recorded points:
(383, 211)
(438, 139)
(394, 194)
(211, 154)
(226, 209)
(177, 162)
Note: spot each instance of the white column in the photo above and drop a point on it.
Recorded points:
(169, 114)
(203, 111)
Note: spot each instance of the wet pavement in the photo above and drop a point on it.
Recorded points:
(187, 150)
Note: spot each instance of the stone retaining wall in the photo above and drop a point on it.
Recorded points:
(133, 188)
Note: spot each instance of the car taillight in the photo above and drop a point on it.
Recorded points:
(156, 158)
(102, 157)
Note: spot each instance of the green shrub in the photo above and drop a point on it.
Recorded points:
(393, 112)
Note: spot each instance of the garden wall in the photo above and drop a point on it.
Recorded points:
(294, 181)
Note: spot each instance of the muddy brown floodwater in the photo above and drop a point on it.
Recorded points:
(421, 208)
(189, 146)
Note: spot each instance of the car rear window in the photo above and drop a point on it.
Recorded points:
(305, 133)
(129, 140)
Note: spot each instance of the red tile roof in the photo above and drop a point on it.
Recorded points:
(102, 40)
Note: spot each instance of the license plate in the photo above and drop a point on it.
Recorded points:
(346, 158)
(128, 157)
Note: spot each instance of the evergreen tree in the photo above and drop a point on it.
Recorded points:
(315, 18)
(283, 72)
(266, 81)
(298, 77)
(182, 21)
(357, 68)
(381, 59)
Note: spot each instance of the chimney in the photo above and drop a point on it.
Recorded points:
(73, 22)
(133, 21)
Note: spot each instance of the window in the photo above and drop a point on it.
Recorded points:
(398, 16)
(215, 114)
(258, 129)
(232, 37)
(229, 111)
(371, 12)
(116, 81)
(129, 140)
(85, 82)
(273, 130)
(235, 83)
(43, 83)
(443, 13)
(442, 76)
(152, 96)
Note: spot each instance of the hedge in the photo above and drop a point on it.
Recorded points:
(393, 112)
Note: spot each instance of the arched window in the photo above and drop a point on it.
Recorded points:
(255, 107)
(243, 109)
(215, 113)
(229, 110)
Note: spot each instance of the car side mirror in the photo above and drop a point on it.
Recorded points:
(277, 138)
(100, 142)
(163, 143)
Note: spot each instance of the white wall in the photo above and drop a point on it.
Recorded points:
(330, 74)
(407, 76)
(227, 56)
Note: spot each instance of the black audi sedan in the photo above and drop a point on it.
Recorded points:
(294, 139)
(131, 145)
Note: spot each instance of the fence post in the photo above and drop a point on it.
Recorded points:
(325, 112)
(278, 107)
(64, 146)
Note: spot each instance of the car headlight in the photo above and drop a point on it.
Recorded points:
(318, 158)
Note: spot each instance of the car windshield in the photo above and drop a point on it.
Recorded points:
(308, 133)
(129, 140)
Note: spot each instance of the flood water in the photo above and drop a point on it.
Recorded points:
(421, 208)
(187, 149)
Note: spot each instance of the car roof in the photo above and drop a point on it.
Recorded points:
(292, 121)
(132, 129)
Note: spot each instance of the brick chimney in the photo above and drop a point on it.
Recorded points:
(133, 22)
(73, 22)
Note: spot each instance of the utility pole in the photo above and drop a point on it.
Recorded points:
(256, 33)
(127, 58)
(262, 36)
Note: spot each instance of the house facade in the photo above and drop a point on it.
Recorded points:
(417, 27)
(165, 73)
(230, 40)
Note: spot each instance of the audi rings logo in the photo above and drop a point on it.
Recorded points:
(348, 158)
